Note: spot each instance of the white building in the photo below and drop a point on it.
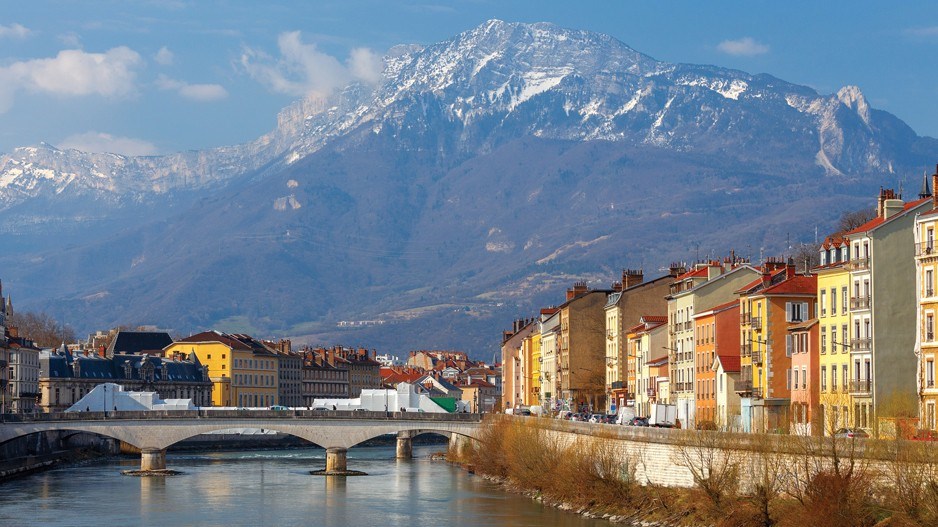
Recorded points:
(24, 379)
(407, 397)
(110, 397)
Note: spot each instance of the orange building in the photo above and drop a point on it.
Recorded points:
(768, 307)
(802, 341)
(716, 332)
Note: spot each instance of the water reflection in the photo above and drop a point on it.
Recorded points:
(272, 488)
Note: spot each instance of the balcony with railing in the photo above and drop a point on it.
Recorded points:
(858, 264)
(925, 249)
(744, 388)
(863, 386)
(651, 393)
(861, 344)
(757, 357)
(757, 323)
(744, 319)
(757, 392)
(861, 302)
(689, 325)
(745, 350)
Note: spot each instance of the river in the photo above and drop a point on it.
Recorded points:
(272, 487)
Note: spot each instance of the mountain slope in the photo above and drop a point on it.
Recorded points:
(470, 186)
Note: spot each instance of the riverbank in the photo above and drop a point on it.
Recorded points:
(596, 477)
(17, 468)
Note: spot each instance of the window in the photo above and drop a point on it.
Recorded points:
(796, 311)
(833, 378)
(823, 343)
(833, 339)
(823, 303)
(929, 283)
(833, 301)
(788, 345)
(843, 300)
(796, 378)
(930, 374)
(209, 356)
(930, 327)
(788, 378)
(844, 336)
(844, 376)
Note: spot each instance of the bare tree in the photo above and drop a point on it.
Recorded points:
(42, 328)
(852, 220)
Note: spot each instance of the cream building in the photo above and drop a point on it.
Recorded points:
(706, 285)
(883, 312)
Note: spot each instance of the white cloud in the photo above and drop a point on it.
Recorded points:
(195, 92)
(303, 69)
(164, 57)
(365, 64)
(745, 46)
(73, 73)
(102, 142)
(14, 31)
(70, 39)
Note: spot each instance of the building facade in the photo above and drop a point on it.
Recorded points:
(883, 314)
(244, 372)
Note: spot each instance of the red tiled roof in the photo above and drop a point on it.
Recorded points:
(212, 336)
(703, 271)
(655, 318)
(636, 328)
(876, 222)
(758, 281)
(730, 362)
(796, 285)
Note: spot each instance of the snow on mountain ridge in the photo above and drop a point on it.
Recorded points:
(498, 71)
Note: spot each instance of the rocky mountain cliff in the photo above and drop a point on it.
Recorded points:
(476, 179)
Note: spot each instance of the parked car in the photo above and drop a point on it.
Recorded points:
(638, 421)
(851, 433)
(523, 411)
(564, 415)
(598, 418)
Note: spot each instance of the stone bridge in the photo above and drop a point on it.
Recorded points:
(152, 432)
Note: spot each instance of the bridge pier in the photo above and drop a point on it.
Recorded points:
(152, 459)
(405, 444)
(336, 461)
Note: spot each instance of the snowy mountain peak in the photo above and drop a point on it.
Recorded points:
(853, 98)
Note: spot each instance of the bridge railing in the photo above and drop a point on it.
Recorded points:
(206, 413)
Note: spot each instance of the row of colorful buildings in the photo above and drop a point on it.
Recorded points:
(774, 346)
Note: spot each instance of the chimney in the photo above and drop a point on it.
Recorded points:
(891, 207)
(884, 196)
(790, 268)
(579, 288)
(617, 286)
(677, 269)
(714, 270)
(632, 277)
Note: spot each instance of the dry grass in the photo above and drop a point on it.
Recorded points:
(762, 481)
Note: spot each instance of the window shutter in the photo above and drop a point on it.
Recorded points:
(804, 311)
(788, 345)
(788, 311)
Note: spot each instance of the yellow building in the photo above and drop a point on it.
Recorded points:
(243, 371)
(534, 387)
(926, 346)
(834, 334)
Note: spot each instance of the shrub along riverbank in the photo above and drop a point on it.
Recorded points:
(781, 481)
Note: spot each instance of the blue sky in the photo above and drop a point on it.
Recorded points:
(160, 76)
